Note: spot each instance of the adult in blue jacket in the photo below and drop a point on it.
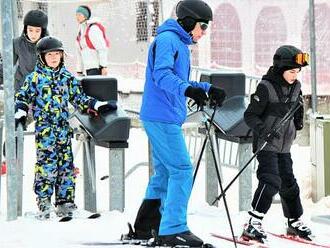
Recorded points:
(163, 112)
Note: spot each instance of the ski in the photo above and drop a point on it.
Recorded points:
(69, 218)
(240, 241)
(139, 242)
(52, 216)
(299, 240)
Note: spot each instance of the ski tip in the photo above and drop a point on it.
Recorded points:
(65, 219)
(208, 245)
(94, 216)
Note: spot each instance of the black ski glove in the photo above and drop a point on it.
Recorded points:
(266, 135)
(197, 94)
(217, 96)
(269, 137)
(20, 118)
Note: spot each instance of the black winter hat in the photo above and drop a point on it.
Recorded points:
(285, 58)
(195, 9)
(49, 44)
(36, 18)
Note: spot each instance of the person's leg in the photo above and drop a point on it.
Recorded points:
(46, 166)
(93, 71)
(268, 186)
(66, 179)
(269, 181)
(289, 192)
(170, 148)
(149, 215)
(168, 143)
(290, 198)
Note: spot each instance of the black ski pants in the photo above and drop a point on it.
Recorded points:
(275, 175)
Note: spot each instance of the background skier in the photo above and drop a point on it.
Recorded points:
(92, 44)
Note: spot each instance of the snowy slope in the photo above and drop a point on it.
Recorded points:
(202, 218)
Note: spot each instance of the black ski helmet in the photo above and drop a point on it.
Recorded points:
(285, 58)
(49, 44)
(36, 18)
(195, 9)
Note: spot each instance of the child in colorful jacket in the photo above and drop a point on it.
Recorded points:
(49, 89)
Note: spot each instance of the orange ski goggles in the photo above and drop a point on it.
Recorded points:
(302, 59)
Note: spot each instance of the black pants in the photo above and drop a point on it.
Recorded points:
(275, 175)
(93, 71)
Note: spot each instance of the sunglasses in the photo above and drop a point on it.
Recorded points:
(203, 25)
(302, 59)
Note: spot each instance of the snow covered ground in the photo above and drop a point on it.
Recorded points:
(202, 219)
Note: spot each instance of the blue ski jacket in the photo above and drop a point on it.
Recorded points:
(167, 75)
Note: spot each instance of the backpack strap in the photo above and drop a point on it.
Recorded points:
(88, 40)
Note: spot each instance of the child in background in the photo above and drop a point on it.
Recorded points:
(49, 89)
(24, 47)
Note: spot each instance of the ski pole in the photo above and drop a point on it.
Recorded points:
(278, 126)
(204, 144)
(219, 177)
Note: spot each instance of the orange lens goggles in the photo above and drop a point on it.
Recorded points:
(302, 59)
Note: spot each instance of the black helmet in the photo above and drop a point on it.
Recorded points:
(49, 44)
(289, 57)
(195, 9)
(36, 18)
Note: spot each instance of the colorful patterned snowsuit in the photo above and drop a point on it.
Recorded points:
(49, 93)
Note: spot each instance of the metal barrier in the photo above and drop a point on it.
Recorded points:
(231, 152)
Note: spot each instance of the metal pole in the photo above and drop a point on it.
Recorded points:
(8, 73)
(117, 179)
(19, 161)
(1, 129)
(313, 54)
(14, 18)
(90, 202)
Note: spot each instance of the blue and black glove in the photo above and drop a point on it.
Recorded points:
(20, 118)
(217, 96)
(98, 107)
(197, 94)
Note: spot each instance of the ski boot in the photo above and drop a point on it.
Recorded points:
(297, 228)
(45, 207)
(254, 231)
(186, 238)
(65, 209)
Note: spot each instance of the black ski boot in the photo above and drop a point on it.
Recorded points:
(147, 219)
(180, 239)
(297, 228)
(254, 231)
(45, 207)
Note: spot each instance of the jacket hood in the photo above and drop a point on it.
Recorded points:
(173, 26)
(275, 77)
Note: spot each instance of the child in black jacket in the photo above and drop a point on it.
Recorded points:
(275, 94)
